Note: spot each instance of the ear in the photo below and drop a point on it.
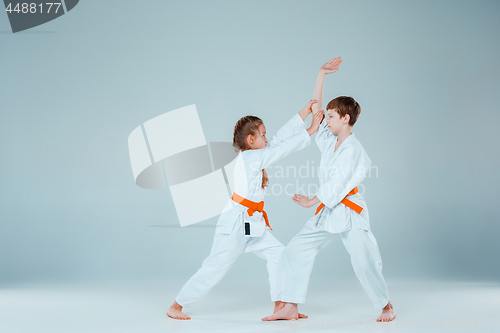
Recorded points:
(250, 140)
(347, 118)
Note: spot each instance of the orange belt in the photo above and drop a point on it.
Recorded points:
(346, 202)
(252, 206)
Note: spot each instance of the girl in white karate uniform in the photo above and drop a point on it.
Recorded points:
(243, 225)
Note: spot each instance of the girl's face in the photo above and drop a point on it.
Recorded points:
(335, 123)
(258, 141)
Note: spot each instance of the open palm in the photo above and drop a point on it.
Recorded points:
(332, 66)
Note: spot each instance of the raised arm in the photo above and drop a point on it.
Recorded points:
(330, 67)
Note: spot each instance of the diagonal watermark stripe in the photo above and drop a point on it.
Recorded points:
(197, 173)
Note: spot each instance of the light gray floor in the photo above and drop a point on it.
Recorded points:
(141, 306)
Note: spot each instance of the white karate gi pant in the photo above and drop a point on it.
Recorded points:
(225, 251)
(365, 258)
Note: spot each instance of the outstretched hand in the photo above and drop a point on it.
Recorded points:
(332, 66)
(302, 200)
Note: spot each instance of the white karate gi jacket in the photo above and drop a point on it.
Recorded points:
(339, 173)
(248, 175)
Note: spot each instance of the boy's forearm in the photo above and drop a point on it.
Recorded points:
(318, 92)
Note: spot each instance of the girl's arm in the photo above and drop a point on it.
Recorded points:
(293, 126)
(277, 151)
(307, 109)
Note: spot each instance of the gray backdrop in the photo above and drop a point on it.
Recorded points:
(424, 72)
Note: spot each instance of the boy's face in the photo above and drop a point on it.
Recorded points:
(260, 140)
(335, 123)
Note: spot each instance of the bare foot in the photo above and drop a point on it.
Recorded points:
(280, 305)
(175, 312)
(289, 312)
(302, 315)
(388, 313)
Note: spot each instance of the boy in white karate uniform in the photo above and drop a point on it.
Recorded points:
(344, 164)
(243, 225)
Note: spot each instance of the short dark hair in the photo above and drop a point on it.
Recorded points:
(345, 105)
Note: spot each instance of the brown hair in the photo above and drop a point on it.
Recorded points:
(345, 105)
(248, 125)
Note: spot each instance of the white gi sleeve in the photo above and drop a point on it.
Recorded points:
(293, 126)
(324, 136)
(349, 170)
(275, 152)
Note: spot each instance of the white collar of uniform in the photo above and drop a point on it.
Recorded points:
(348, 139)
